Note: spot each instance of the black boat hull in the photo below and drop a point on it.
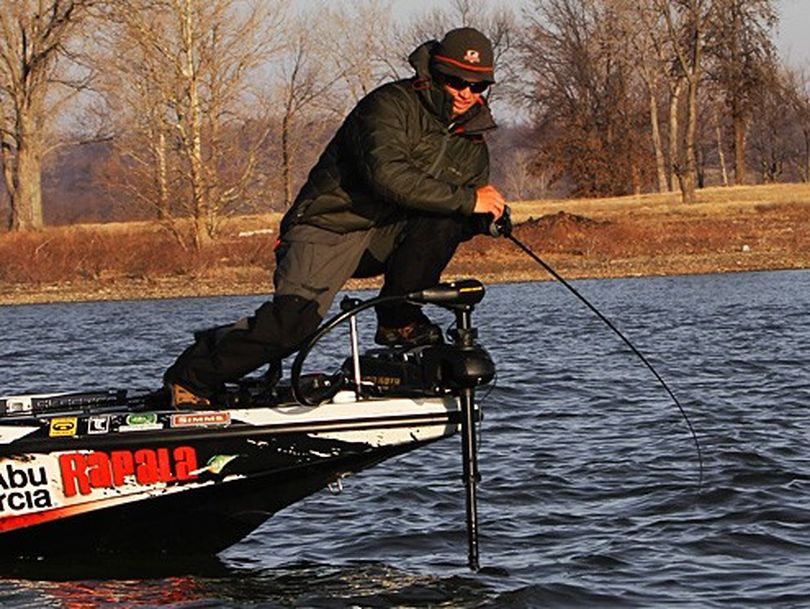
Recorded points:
(188, 483)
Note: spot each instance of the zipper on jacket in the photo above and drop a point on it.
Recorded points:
(442, 149)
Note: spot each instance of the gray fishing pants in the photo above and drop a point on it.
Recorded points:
(312, 264)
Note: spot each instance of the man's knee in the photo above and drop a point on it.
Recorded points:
(285, 322)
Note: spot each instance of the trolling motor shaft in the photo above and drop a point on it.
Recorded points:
(465, 335)
(478, 370)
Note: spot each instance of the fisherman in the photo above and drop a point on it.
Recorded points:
(403, 181)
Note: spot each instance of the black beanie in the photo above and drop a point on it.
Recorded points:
(465, 53)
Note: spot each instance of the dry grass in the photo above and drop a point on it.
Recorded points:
(99, 252)
(737, 228)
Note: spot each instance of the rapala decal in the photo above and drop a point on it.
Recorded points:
(23, 488)
(98, 425)
(82, 472)
(142, 421)
(201, 419)
(63, 426)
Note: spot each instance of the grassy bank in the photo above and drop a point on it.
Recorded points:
(728, 229)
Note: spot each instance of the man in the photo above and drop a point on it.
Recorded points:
(403, 182)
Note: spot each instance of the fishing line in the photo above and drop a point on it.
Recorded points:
(508, 234)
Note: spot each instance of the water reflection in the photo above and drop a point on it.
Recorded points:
(361, 584)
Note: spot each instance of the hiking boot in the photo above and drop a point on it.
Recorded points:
(414, 334)
(183, 398)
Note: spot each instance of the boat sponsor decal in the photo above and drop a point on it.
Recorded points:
(23, 488)
(83, 472)
(201, 419)
(142, 421)
(61, 427)
(98, 424)
(39, 488)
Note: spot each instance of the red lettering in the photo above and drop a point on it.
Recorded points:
(185, 462)
(164, 466)
(74, 476)
(146, 471)
(81, 473)
(98, 470)
(122, 466)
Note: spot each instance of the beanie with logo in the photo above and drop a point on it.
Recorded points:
(464, 53)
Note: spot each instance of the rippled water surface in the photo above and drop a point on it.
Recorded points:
(589, 494)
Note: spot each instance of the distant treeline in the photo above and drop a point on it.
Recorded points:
(170, 110)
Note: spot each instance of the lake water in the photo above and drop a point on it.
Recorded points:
(590, 489)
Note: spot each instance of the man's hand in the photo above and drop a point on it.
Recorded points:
(489, 201)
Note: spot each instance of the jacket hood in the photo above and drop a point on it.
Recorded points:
(420, 58)
(440, 103)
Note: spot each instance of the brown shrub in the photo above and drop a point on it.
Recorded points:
(63, 254)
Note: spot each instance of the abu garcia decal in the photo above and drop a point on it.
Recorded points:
(24, 488)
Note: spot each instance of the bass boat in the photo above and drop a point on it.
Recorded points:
(105, 472)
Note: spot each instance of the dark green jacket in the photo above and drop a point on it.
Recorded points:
(397, 151)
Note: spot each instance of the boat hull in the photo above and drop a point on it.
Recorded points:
(163, 482)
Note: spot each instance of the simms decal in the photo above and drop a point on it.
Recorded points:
(85, 471)
(23, 489)
(201, 419)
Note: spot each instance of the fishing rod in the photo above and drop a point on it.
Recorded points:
(503, 227)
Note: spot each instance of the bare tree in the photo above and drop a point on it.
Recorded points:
(34, 36)
(357, 46)
(719, 141)
(797, 89)
(654, 60)
(687, 22)
(741, 53)
(305, 88)
(584, 100)
(524, 181)
(193, 124)
(779, 136)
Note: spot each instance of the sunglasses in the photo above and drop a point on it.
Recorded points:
(459, 84)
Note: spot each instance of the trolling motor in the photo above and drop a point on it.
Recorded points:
(419, 371)
(468, 372)
(457, 368)
(462, 299)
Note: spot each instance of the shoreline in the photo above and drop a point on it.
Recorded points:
(729, 229)
(568, 267)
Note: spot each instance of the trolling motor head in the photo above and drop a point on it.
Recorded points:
(462, 364)
(464, 293)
